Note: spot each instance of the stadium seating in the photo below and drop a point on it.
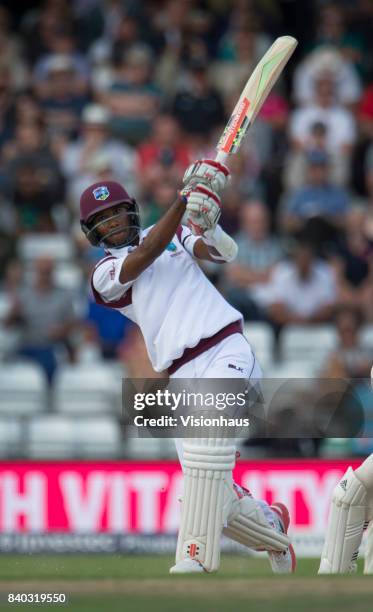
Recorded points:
(57, 436)
(149, 448)
(260, 336)
(98, 437)
(11, 437)
(88, 388)
(8, 341)
(292, 368)
(309, 344)
(68, 276)
(57, 246)
(23, 389)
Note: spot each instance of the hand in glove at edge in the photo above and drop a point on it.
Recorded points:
(203, 208)
(213, 174)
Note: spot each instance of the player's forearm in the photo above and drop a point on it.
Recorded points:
(215, 245)
(161, 234)
(155, 242)
(205, 252)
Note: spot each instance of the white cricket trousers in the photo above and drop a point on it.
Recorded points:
(217, 362)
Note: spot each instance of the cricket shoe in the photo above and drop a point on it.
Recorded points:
(187, 566)
(282, 562)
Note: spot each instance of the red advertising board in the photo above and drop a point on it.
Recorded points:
(142, 497)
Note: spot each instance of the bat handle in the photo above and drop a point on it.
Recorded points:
(221, 157)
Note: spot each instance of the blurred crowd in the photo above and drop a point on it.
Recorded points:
(94, 90)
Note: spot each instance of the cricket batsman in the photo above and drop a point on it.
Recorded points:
(350, 512)
(152, 277)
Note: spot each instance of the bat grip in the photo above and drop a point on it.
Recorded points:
(221, 157)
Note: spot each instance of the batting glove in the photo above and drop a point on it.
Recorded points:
(203, 208)
(213, 174)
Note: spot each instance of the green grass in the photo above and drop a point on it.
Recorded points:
(101, 583)
(80, 567)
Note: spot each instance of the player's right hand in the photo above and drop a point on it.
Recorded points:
(203, 208)
(213, 174)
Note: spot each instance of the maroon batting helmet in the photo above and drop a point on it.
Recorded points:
(101, 196)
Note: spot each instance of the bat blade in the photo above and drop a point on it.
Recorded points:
(254, 94)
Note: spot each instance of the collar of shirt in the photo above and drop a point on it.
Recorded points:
(126, 249)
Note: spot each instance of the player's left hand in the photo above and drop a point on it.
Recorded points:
(213, 174)
(203, 208)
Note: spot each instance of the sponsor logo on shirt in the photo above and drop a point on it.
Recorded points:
(235, 367)
(173, 249)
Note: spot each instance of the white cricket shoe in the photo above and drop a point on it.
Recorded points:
(282, 562)
(187, 566)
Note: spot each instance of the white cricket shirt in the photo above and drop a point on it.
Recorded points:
(172, 301)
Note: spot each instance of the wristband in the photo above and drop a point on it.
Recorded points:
(222, 242)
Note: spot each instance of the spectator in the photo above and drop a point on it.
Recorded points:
(32, 202)
(61, 98)
(107, 329)
(127, 35)
(197, 105)
(133, 98)
(30, 140)
(332, 31)
(339, 122)
(172, 23)
(6, 107)
(27, 109)
(63, 45)
(11, 53)
(166, 152)
(34, 182)
(94, 149)
(41, 26)
(232, 203)
(326, 62)
(7, 251)
(160, 199)
(368, 223)
(366, 112)
(351, 359)
(258, 252)
(317, 198)
(246, 170)
(353, 262)
(301, 290)
(296, 166)
(45, 316)
(240, 50)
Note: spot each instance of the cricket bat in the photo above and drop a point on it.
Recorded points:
(253, 95)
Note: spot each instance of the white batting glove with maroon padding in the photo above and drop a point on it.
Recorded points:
(213, 174)
(203, 208)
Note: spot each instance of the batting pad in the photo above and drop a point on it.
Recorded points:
(208, 465)
(344, 533)
(249, 527)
